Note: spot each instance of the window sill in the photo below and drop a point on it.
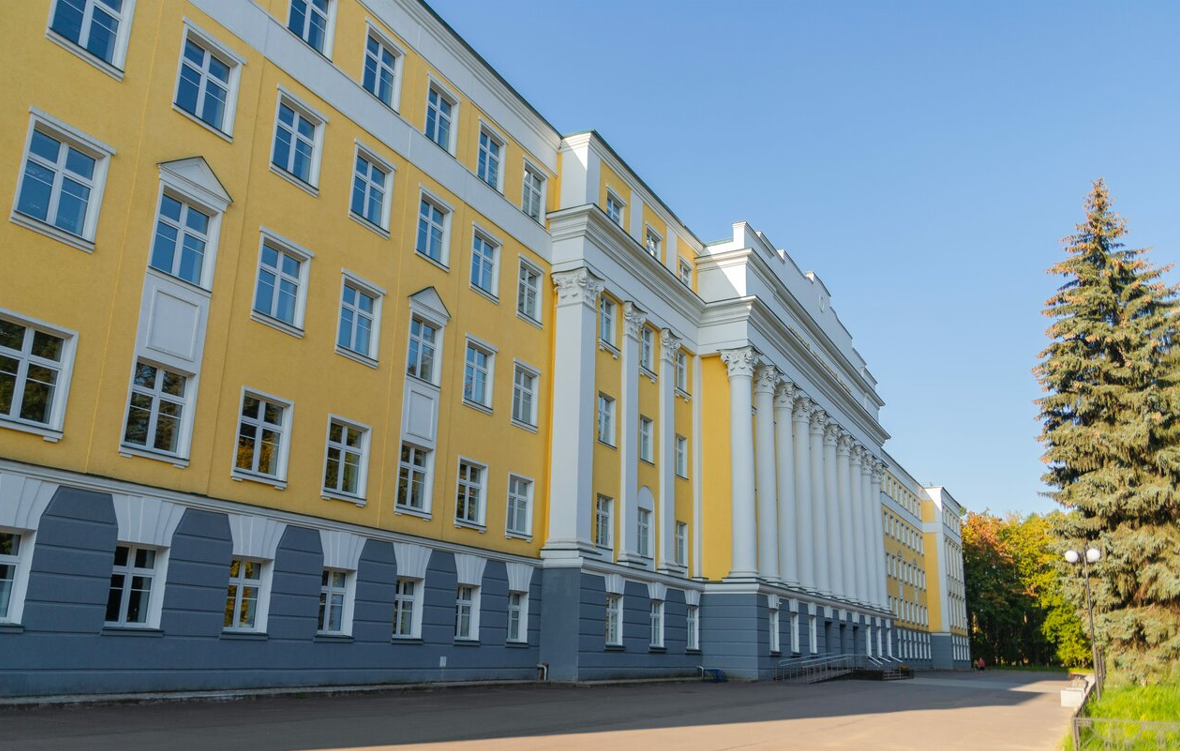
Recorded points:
(614, 648)
(211, 128)
(477, 406)
(308, 188)
(657, 650)
(127, 452)
(241, 475)
(510, 535)
(275, 323)
(606, 346)
(331, 495)
(362, 359)
(407, 511)
(524, 426)
(608, 445)
(110, 630)
(49, 230)
(651, 376)
(516, 644)
(325, 638)
(11, 628)
(244, 635)
(409, 640)
(84, 54)
(683, 394)
(692, 651)
(432, 261)
(466, 642)
(681, 477)
(460, 524)
(486, 294)
(49, 434)
(529, 319)
(376, 229)
(648, 461)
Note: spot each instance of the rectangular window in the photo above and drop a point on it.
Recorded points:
(370, 190)
(646, 429)
(606, 419)
(206, 84)
(61, 180)
(279, 294)
(155, 410)
(97, 26)
(518, 603)
(651, 243)
(794, 633)
(657, 623)
(310, 20)
(681, 456)
(242, 597)
(131, 586)
(614, 208)
(533, 195)
(682, 543)
(483, 263)
(440, 110)
(811, 634)
(685, 273)
(412, 478)
(407, 608)
(647, 348)
(477, 375)
(604, 522)
(423, 342)
(528, 292)
(34, 373)
(682, 372)
(614, 620)
(520, 501)
(491, 151)
(182, 236)
(467, 612)
(524, 396)
(693, 624)
(262, 437)
(347, 459)
(359, 317)
(606, 320)
(297, 135)
(9, 562)
(470, 494)
(380, 76)
(432, 225)
(773, 631)
(643, 532)
(333, 592)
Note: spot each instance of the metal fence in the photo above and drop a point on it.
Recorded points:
(1107, 734)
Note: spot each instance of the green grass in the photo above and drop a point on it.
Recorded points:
(1159, 703)
(1030, 668)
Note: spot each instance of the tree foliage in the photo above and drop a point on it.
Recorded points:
(1112, 436)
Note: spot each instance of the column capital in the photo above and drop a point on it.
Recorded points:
(831, 432)
(844, 442)
(819, 418)
(633, 319)
(857, 452)
(740, 362)
(766, 378)
(577, 286)
(803, 406)
(669, 345)
(784, 394)
(877, 469)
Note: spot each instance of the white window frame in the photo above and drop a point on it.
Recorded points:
(279, 478)
(528, 421)
(656, 622)
(362, 479)
(157, 574)
(647, 350)
(301, 254)
(489, 352)
(682, 372)
(468, 487)
(604, 521)
(184, 429)
(535, 315)
(320, 123)
(684, 273)
(794, 632)
(608, 321)
(444, 259)
(653, 242)
(606, 420)
(230, 59)
(614, 620)
(399, 60)
(613, 197)
(115, 67)
(527, 192)
(681, 541)
(436, 349)
(348, 592)
(643, 530)
(493, 137)
(69, 136)
(262, 603)
(521, 610)
(52, 430)
(415, 599)
(472, 601)
(349, 279)
(172, 188)
(381, 227)
(329, 27)
(773, 631)
(480, 235)
(692, 617)
(514, 497)
(427, 470)
(646, 439)
(447, 95)
(681, 453)
(21, 563)
(812, 634)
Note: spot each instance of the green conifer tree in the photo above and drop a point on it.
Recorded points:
(1112, 437)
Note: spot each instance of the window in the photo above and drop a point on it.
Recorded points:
(604, 522)
(693, 624)
(647, 348)
(491, 150)
(483, 264)
(311, 21)
(440, 110)
(643, 532)
(533, 195)
(614, 620)
(297, 137)
(682, 372)
(528, 292)
(131, 586)
(10, 552)
(412, 488)
(155, 410)
(614, 208)
(380, 76)
(657, 623)
(206, 86)
(346, 462)
(423, 337)
(241, 599)
(280, 292)
(681, 456)
(34, 374)
(182, 236)
(432, 224)
(61, 183)
(407, 608)
(606, 320)
(811, 634)
(774, 635)
(518, 604)
(645, 439)
(606, 419)
(477, 375)
(467, 612)
(470, 493)
(681, 543)
(684, 273)
(524, 396)
(333, 593)
(795, 633)
(360, 310)
(262, 436)
(520, 501)
(651, 243)
(97, 26)
(370, 189)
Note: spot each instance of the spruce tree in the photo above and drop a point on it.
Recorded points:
(1112, 437)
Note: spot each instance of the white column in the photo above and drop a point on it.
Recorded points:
(765, 382)
(831, 500)
(869, 636)
(804, 529)
(819, 511)
(628, 416)
(859, 538)
(872, 511)
(669, 346)
(571, 465)
(784, 400)
(847, 522)
(740, 363)
(879, 535)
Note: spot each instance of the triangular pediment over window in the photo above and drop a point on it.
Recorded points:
(428, 303)
(194, 178)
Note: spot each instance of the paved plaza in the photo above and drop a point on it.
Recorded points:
(936, 711)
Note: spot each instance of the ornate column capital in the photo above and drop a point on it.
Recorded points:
(784, 395)
(669, 345)
(857, 452)
(877, 469)
(831, 432)
(766, 378)
(819, 418)
(844, 442)
(633, 319)
(577, 286)
(740, 362)
(803, 405)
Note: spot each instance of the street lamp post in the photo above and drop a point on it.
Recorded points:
(1092, 555)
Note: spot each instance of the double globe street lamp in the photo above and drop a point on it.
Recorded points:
(1092, 555)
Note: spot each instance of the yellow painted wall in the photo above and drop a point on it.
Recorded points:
(717, 538)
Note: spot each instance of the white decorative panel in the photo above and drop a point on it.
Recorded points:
(23, 500)
(342, 550)
(520, 576)
(773, 602)
(255, 536)
(420, 413)
(469, 569)
(657, 591)
(793, 605)
(145, 520)
(692, 597)
(614, 584)
(173, 325)
(411, 560)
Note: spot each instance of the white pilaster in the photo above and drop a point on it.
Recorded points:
(571, 466)
(804, 529)
(847, 521)
(879, 534)
(859, 518)
(874, 547)
(628, 415)
(669, 346)
(740, 363)
(831, 500)
(766, 380)
(784, 400)
(819, 511)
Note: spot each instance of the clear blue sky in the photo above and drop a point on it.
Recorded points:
(924, 158)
